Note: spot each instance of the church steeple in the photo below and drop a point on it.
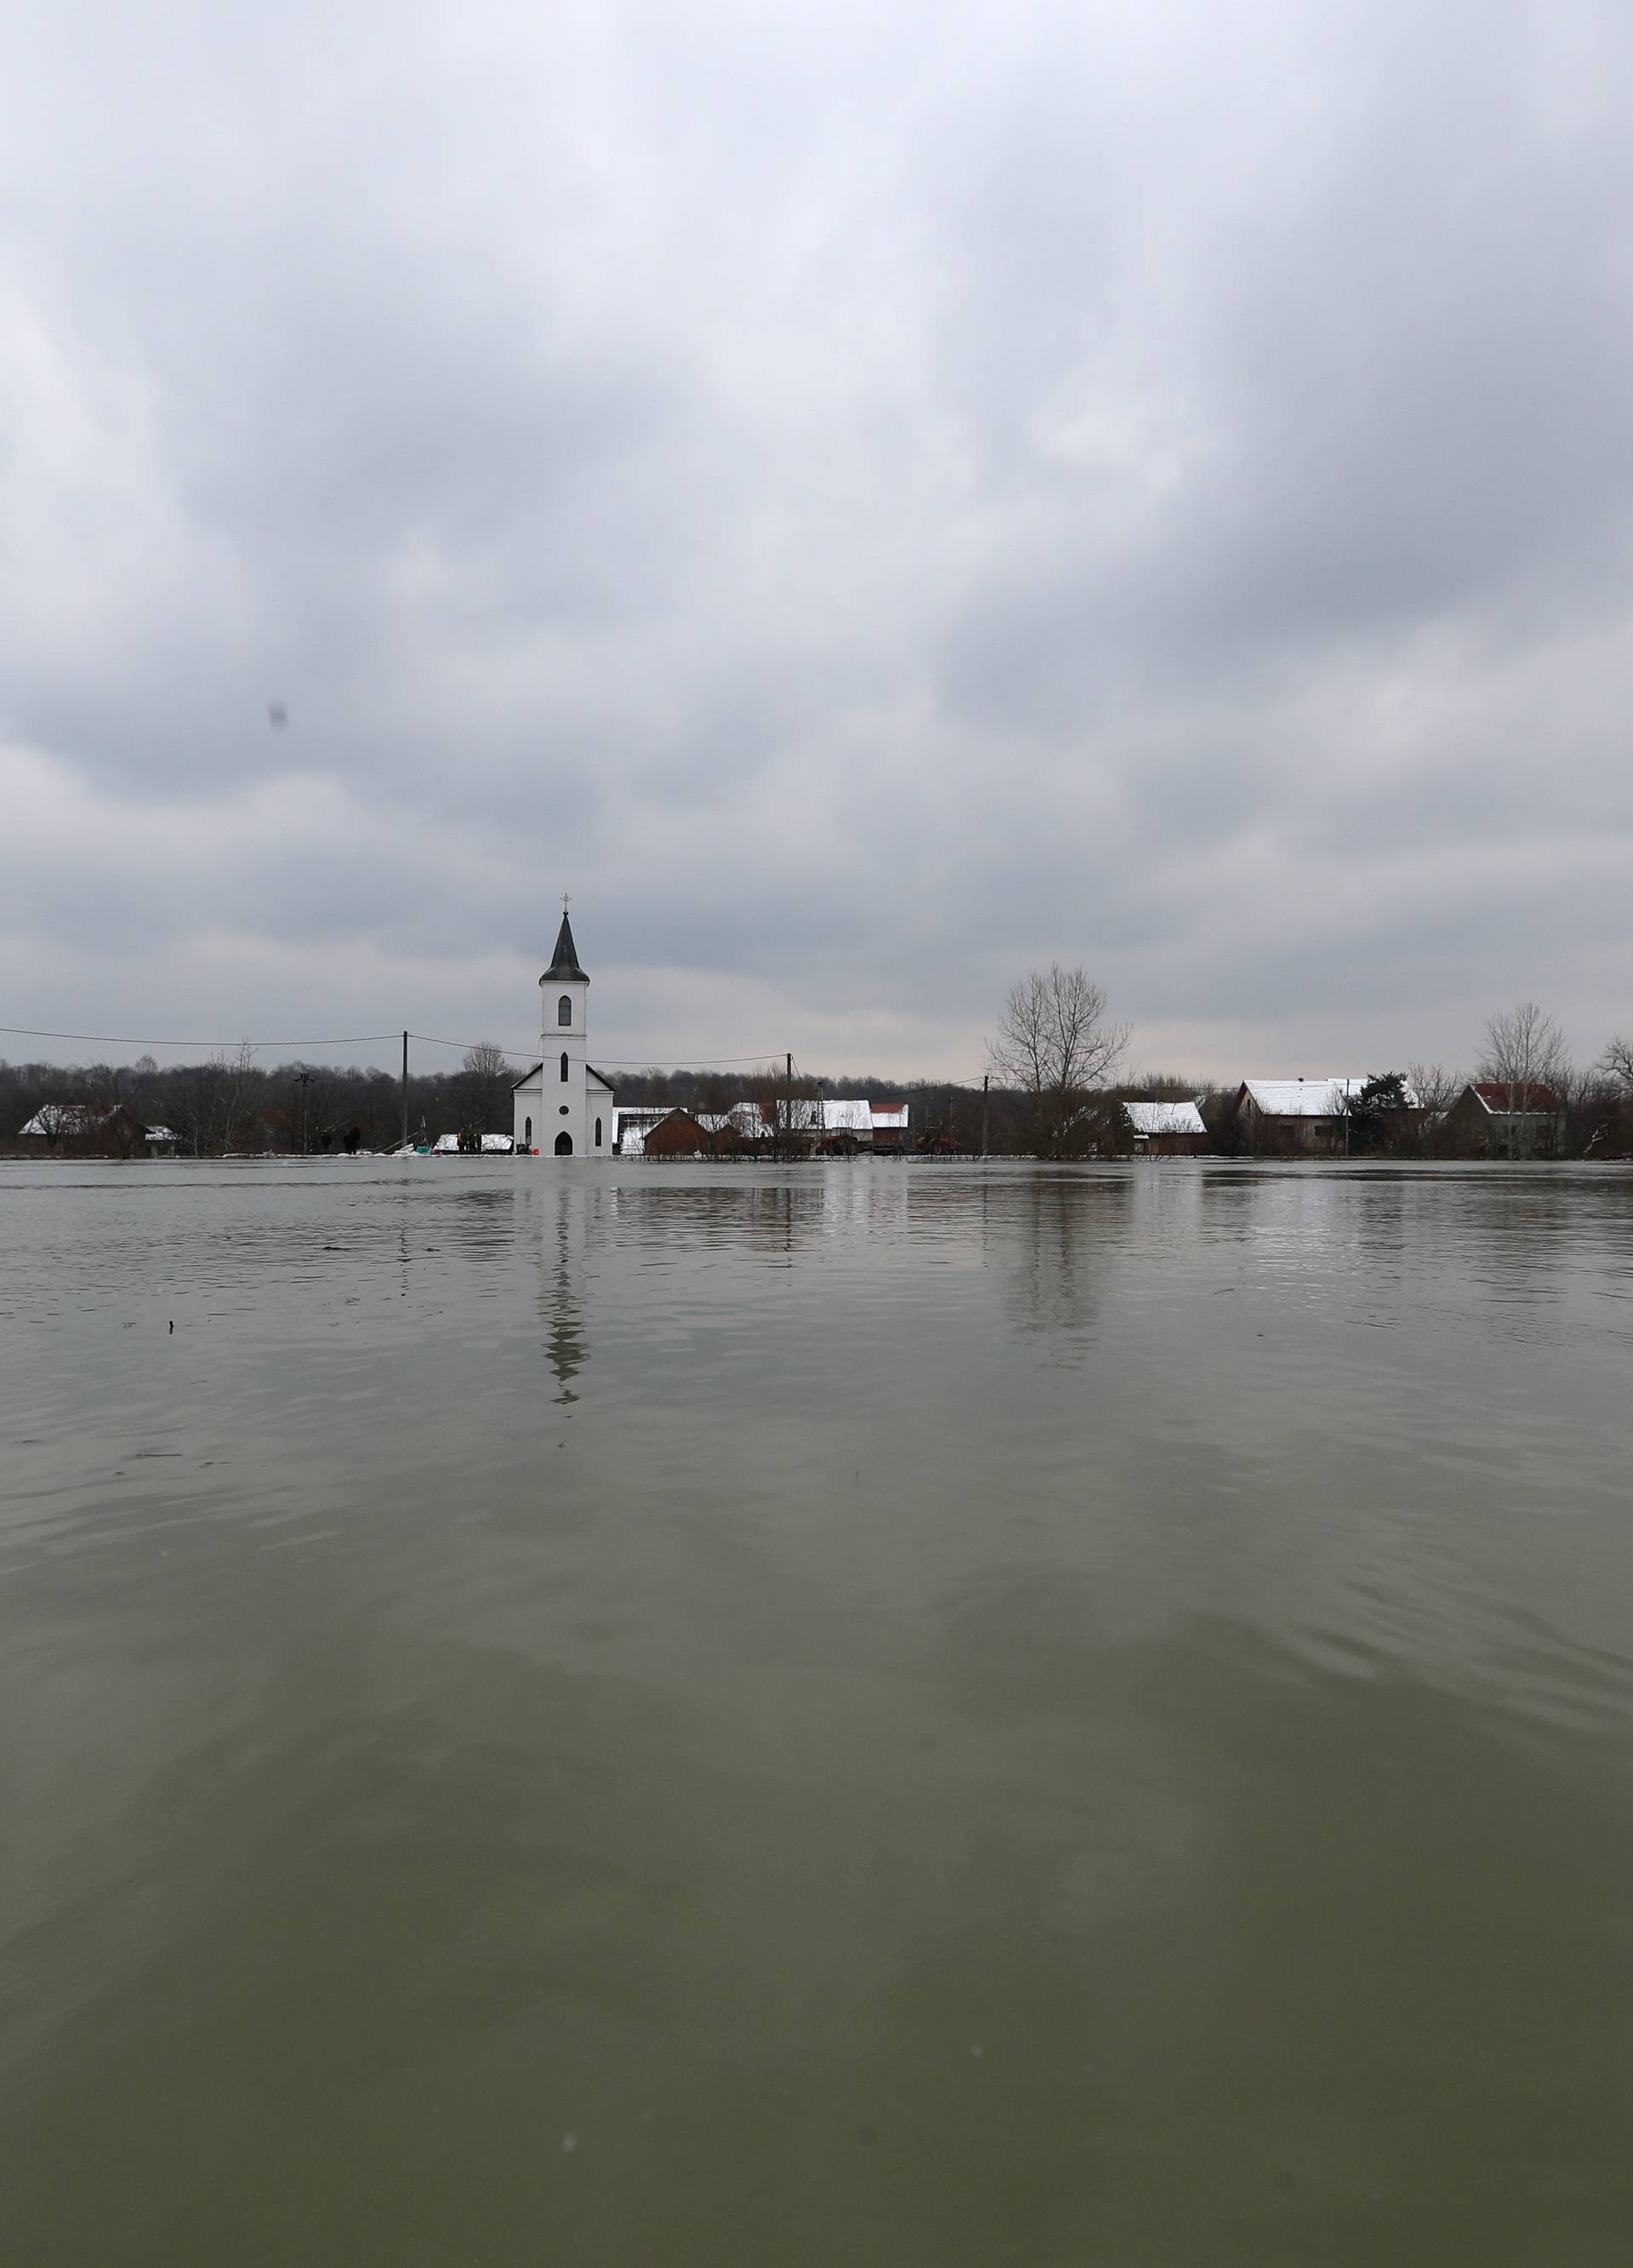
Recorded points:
(565, 1107)
(566, 964)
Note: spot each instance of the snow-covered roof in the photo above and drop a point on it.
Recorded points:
(1310, 1098)
(848, 1117)
(888, 1114)
(60, 1118)
(632, 1122)
(742, 1119)
(801, 1112)
(826, 1113)
(1164, 1118)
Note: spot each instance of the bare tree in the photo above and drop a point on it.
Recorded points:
(230, 1078)
(1055, 1048)
(483, 1086)
(1525, 1048)
(1617, 1066)
(1599, 1111)
(1437, 1087)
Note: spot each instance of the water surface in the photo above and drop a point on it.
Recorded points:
(877, 1715)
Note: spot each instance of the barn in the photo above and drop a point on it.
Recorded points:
(1285, 1116)
(1165, 1129)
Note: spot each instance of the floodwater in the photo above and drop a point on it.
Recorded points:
(881, 1714)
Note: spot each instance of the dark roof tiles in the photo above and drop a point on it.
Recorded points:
(566, 964)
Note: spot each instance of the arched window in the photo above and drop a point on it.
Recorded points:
(526, 1132)
(564, 1066)
(563, 1009)
(598, 1133)
(564, 1144)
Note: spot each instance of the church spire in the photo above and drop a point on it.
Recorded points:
(566, 964)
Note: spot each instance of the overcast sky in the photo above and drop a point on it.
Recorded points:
(867, 497)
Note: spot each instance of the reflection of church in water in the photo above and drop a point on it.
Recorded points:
(561, 1301)
(563, 1107)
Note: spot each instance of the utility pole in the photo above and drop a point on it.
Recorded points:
(304, 1080)
(788, 1079)
(986, 1081)
(405, 1090)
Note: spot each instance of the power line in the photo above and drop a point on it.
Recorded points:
(119, 1039)
(427, 1039)
(616, 1062)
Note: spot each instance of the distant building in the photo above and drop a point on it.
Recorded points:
(89, 1129)
(844, 1126)
(677, 1134)
(816, 1125)
(1505, 1119)
(1288, 1116)
(847, 1126)
(1167, 1129)
(563, 1107)
(633, 1121)
(742, 1127)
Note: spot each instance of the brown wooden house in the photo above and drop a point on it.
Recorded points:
(1500, 1118)
(679, 1135)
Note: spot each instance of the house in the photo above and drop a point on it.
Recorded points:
(1290, 1116)
(677, 1134)
(87, 1129)
(742, 1127)
(846, 1127)
(632, 1123)
(563, 1106)
(843, 1126)
(1499, 1118)
(1167, 1129)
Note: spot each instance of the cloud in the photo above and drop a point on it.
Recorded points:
(869, 500)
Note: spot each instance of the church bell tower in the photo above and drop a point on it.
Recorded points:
(565, 1108)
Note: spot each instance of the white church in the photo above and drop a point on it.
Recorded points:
(563, 1107)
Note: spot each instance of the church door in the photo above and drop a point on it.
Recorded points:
(563, 1145)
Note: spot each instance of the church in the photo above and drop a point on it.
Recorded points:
(564, 1106)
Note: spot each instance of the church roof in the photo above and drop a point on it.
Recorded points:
(536, 1068)
(566, 960)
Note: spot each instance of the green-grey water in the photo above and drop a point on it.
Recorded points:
(880, 1715)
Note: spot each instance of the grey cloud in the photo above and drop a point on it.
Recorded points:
(867, 503)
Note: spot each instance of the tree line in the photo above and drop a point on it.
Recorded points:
(232, 1105)
(1054, 1082)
